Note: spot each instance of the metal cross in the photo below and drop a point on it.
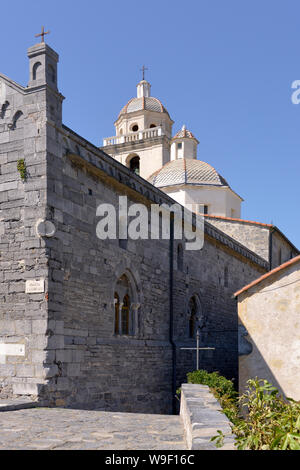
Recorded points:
(197, 348)
(42, 34)
(143, 70)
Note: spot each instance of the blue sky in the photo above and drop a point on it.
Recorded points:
(223, 68)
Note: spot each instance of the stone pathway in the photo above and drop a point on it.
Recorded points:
(59, 428)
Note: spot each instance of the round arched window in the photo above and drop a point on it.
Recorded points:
(135, 128)
(134, 165)
(152, 125)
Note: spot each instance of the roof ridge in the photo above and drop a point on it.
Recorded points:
(269, 274)
(239, 220)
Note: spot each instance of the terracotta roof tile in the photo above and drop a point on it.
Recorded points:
(238, 220)
(269, 274)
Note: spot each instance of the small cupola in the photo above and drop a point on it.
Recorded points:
(143, 89)
(184, 145)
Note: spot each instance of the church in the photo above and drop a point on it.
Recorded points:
(105, 324)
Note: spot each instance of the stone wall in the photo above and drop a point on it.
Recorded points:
(258, 238)
(97, 367)
(282, 250)
(253, 236)
(203, 418)
(23, 317)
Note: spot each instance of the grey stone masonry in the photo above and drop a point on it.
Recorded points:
(202, 418)
(266, 240)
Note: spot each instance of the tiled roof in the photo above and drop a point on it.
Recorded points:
(145, 102)
(184, 133)
(267, 275)
(238, 220)
(186, 171)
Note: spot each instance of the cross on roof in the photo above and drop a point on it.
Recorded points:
(42, 34)
(143, 70)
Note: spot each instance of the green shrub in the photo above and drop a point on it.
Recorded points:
(268, 422)
(214, 380)
(222, 389)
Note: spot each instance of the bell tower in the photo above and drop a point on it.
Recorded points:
(43, 62)
(143, 133)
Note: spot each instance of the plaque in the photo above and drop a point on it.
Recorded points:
(34, 286)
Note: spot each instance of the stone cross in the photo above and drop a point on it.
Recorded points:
(42, 34)
(143, 70)
(197, 348)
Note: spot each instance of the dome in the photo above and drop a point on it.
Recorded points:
(148, 103)
(143, 101)
(187, 171)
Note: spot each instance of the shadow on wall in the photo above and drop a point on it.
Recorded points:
(252, 363)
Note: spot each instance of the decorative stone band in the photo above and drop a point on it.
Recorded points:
(202, 418)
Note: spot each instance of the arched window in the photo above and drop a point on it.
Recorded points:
(134, 128)
(125, 306)
(179, 257)
(117, 310)
(35, 68)
(196, 317)
(125, 315)
(152, 126)
(134, 165)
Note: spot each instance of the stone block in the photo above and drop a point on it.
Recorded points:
(25, 388)
(56, 342)
(73, 370)
(24, 370)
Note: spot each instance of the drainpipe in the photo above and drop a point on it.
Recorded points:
(271, 248)
(171, 254)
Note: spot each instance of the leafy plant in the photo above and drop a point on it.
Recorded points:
(270, 423)
(21, 167)
(222, 388)
(260, 419)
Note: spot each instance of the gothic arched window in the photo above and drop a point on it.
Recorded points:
(125, 306)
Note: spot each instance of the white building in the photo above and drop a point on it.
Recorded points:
(144, 143)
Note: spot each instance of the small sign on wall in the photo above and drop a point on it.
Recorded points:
(11, 349)
(34, 286)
